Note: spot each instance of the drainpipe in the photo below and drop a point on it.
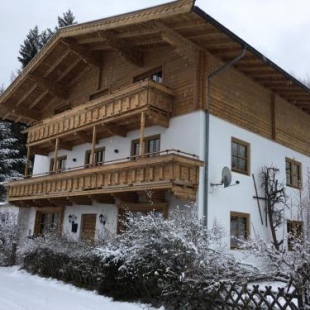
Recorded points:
(207, 131)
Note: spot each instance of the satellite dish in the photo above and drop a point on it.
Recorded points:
(226, 176)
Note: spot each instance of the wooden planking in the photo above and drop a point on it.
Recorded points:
(241, 101)
(161, 172)
(293, 126)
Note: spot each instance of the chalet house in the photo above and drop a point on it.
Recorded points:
(142, 111)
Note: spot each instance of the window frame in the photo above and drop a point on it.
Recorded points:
(58, 159)
(95, 163)
(298, 230)
(146, 141)
(44, 211)
(293, 163)
(246, 158)
(234, 214)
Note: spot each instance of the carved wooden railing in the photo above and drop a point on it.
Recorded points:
(137, 97)
(170, 169)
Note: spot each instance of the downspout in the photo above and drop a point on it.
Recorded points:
(207, 130)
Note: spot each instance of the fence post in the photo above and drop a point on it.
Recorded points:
(13, 253)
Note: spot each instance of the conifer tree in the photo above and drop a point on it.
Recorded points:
(67, 19)
(32, 45)
(11, 161)
(36, 40)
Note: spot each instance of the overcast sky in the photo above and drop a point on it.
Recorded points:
(279, 29)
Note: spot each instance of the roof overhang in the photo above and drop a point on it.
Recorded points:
(180, 24)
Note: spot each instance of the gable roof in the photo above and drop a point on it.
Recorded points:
(73, 49)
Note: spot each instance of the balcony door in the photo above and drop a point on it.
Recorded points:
(88, 227)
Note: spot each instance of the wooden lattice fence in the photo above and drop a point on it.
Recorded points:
(233, 296)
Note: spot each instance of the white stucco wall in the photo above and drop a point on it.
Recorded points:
(239, 198)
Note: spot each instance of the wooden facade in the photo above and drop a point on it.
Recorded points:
(94, 80)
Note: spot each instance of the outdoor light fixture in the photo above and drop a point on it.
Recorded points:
(102, 219)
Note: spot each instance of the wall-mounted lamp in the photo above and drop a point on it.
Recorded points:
(72, 218)
(102, 219)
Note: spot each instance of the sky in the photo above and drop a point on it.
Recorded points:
(20, 290)
(277, 28)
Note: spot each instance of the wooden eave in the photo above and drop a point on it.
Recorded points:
(187, 29)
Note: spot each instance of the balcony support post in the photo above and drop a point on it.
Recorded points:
(56, 154)
(27, 162)
(92, 152)
(141, 142)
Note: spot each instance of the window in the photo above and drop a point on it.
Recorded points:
(155, 75)
(98, 158)
(239, 228)
(60, 164)
(240, 159)
(293, 173)
(151, 146)
(294, 230)
(47, 221)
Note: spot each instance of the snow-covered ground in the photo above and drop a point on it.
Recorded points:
(19, 290)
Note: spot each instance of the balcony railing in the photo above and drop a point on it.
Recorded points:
(141, 96)
(168, 170)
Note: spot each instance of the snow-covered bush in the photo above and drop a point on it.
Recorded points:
(292, 267)
(177, 260)
(8, 237)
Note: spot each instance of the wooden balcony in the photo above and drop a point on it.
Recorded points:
(112, 114)
(170, 170)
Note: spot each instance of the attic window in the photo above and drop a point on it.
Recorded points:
(62, 109)
(155, 75)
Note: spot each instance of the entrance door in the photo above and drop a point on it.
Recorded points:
(88, 227)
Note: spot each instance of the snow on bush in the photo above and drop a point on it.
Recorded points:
(176, 262)
(289, 266)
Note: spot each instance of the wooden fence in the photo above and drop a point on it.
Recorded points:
(233, 296)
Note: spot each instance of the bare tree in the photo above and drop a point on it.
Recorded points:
(276, 200)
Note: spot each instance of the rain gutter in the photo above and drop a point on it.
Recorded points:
(207, 130)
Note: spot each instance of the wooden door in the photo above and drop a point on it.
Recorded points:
(88, 227)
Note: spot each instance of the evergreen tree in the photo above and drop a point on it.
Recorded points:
(36, 40)
(67, 19)
(11, 162)
(32, 45)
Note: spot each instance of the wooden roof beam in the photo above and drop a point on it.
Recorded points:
(83, 136)
(184, 47)
(81, 200)
(66, 145)
(26, 94)
(83, 52)
(56, 63)
(34, 103)
(114, 129)
(60, 201)
(54, 88)
(124, 48)
(20, 111)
